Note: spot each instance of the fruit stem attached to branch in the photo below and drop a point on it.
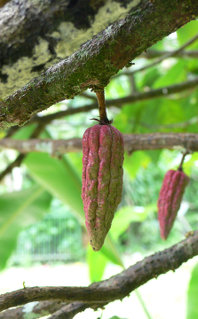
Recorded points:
(182, 161)
(102, 107)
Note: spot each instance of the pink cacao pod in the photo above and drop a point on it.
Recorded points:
(170, 198)
(103, 154)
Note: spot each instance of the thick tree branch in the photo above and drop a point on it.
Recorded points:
(70, 310)
(132, 142)
(34, 35)
(116, 46)
(117, 287)
(136, 97)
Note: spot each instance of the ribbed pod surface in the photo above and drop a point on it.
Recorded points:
(170, 198)
(103, 154)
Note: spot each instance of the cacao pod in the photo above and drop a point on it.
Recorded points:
(103, 154)
(170, 198)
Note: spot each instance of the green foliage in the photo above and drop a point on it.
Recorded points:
(19, 209)
(135, 227)
(58, 235)
(175, 74)
(24, 132)
(60, 178)
(124, 217)
(136, 161)
(192, 309)
(188, 31)
(97, 263)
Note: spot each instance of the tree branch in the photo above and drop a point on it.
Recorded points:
(132, 142)
(45, 120)
(161, 57)
(37, 309)
(17, 162)
(152, 54)
(70, 310)
(116, 46)
(167, 55)
(136, 97)
(116, 287)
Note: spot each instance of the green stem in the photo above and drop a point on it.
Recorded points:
(143, 304)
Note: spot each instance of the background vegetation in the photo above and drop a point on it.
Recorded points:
(41, 216)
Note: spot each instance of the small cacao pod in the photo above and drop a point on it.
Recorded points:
(103, 154)
(170, 198)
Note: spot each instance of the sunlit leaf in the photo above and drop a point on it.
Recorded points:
(175, 74)
(126, 215)
(110, 250)
(19, 209)
(188, 31)
(192, 309)
(135, 161)
(97, 263)
(60, 179)
(24, 132)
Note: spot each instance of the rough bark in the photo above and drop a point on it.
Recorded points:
(116, 287)
(146, 23)
(36, 34)
(34, 310)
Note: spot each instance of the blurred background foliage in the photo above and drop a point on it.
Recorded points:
(41, 215)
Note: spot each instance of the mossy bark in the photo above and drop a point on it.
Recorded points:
(98, 59)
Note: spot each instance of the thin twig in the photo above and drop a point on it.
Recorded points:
(151, 54)
(17, 162)
(88, 96)
(167, 55)
(191, 121)
(163, 56)
(118, 286)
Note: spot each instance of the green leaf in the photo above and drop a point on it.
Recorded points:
(24, 132)
(109, 249)
(175, 74)
(188, 31)
(19, 209)
(124, 216)
(60, 179)
(154, 155)
(192, 309)
(116, 317)
(149, 77)
(135, 161)
(97, 263)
